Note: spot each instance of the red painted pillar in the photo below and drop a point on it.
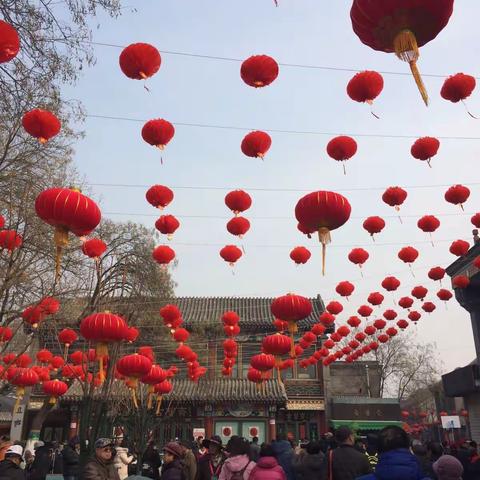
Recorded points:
(302, 431)
(272, 429)
(73, 423)
(208, 427)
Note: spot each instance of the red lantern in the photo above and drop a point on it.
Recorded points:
(44, 356)
(238, 201)
(408, 255)
(374, 225)
(256, 144)
(444, 294)
(167, 224)
(401, 27)
(370, 330)
(78, 357)
(405, 302)
(342, 148)
(375, 298)
(54, 388)
(428, 307)
(231, 331)
(464, 413)
(263, 362)
(94, 248)
(2, 219)
(162, 388)
(476, 262)
(238, 226)
(476, 220)
(163, 254)
(358, 256)
(21, 378)
(327, 319)
(159, 196)
(300, 255)
(457, 195)
(394, 196)
(403, 324)
(323, 211)
(345, 288)
(318, 329)
(132, 334)
(457, 88)
(230, 345)
(158, 132)
(354, 322)
(33, 315)
(380, 324)
(23, 360)
(405, 413)
(6, 335)
(140, 61)
(414, 316)
(10, 240)
(170, 313)
(383, 338)
(419, 292)
(329, 344)
(343, 331)
(9, 42)
(365, 311)
(334, 308)
(460, 281)
(390, 284)
(231, 254)
(390, 314)
(276, 345)
(134, 366)
(425, 148)
(365, 87)
(459, 248)
(181, 335)
(291, 308)
(67, 210)
(259, 71)
(306, 231)
(41, 124)
(147, 351)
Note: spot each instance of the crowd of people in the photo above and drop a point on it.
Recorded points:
(390, 455)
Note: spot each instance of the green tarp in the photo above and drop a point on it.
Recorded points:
(364, 424)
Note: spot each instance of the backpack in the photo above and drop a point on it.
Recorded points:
(238, 475)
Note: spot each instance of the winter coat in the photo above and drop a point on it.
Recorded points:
(205, 467)
(121, 460)
(190, 465)
(472, 469)
(10, 471)
(347, 463)
(284, 455)
(173, 471)
(267, 468)
(397, 464)
(255, 449)
(237, 464)
(308, 466)
(47, 460)
(95, 469)
(151, 463)
(71, 462)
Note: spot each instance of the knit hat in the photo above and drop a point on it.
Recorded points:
(448, 468)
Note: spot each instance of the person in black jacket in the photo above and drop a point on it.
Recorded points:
(345, 462)
(71, 459)
(210, 464)
(10, 466)
(151, 462)
(308, 463)
(173, 467)
(48, 459)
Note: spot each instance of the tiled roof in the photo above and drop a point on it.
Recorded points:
(303, 389)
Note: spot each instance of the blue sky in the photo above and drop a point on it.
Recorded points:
(204, 91)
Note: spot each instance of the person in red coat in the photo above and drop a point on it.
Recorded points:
(267, 467)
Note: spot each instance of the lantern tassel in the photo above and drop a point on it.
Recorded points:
(431, 239)
(411, 269)
(159, 405)
(325, 238)
(344, 168)
(134, 398)
(468, 111)
(370, 102)
(60, 237)
(361, 270)
(65, 352)
(279, 376)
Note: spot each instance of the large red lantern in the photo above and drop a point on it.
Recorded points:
(342, 148)
(256, 144)
(401, 26)
(163, 254)
(457, 88)
(365, 87)
(457, 195)
(425, 148)
(140, 61)
(41, 124)
(374, 225)
(300, 255)
(10, 240)
(158, 132)
(259, 71)
(67, 210)
(238, 226)
(167, 224)
(94, 248)
(9, 42)
(459, 248)
(345, 288)
(238, 201)
(323, 211)
(277, 345)
(390, 284)
(394, 196)
(54, 389)
(21, 378)
(231, 254)
(133, 367)
(159, 196)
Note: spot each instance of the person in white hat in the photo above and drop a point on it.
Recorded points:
(10, 466)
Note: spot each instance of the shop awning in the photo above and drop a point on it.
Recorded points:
(364, 424)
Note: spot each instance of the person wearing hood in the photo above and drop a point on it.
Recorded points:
(173, 468)
(267, 467)
(238, 464)
(284, 454)
(395, 462)
(10, 466)
(71, 459)
(48, 459)
(122, 459)
(308, 463)
(448, 468)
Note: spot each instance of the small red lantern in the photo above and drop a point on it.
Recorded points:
(132, 334)
(394, 196)
(380, 324)
(94, 248)
(365, 87)
(342, 148)
(358, 256)
(238, 201)
(444, 294)
(44, 356)
(6, 334)
(323, 211)
(334, 307)
(375, 298)
(457, 88)
(370, 330)
(403, 324)
(167, 224)
(428, 224)
(9, 42)
(374, 225)
(343, 331)
(405, 302)
(383, 338)
(256, 144)
(162, 388)
(33, 315)
(263, 362)
(428, 307)
(476, 220)
(457, 195)
(354, 321)
(10, 240)
(390, 284)
(259, 71)
(170, 313)
(238, 226)
(300, 255)
(408, 255)
(231, 254)
(425, 148)
(365, 311)
(345, 288)
(158, 132)
(277, 345)
(140, 61)
(459, 248)
(159, 196)
(414, 316)
(54, 388)
(419, 292)
(327, 319)
(390, 314)
(318, 329)
(163, 254)
(460, 281)
(180, 335)
(41, 124)
(21, 378)
(230, 318)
